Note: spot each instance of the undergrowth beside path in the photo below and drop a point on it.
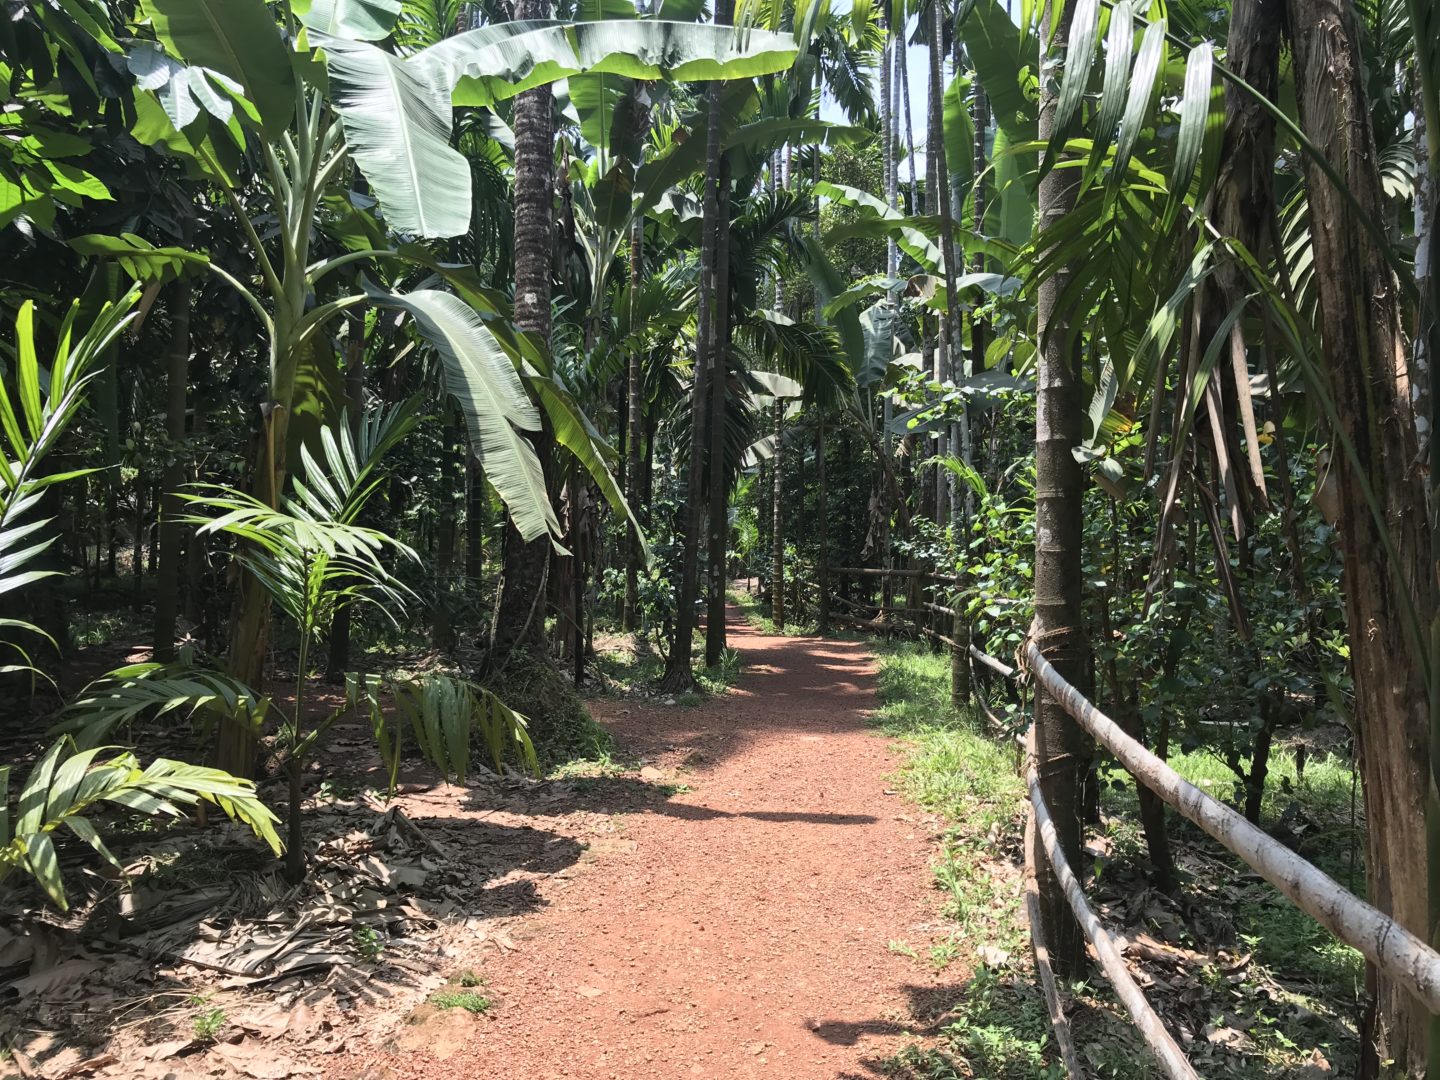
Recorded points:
(1250, 986)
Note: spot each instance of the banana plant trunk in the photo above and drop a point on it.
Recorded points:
(1389, 595)
(1060, 746)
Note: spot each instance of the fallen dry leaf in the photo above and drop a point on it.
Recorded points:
(256, 1060)
(166, 1050)
(63, 976)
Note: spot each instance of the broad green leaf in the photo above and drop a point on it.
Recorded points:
(959, 135)
(354, 20)
(238, 38)
(1119, 41)
(484, 382)
(397, 124)
(1004, 57)
(139, 258)
(1079, 55)
(576, 434)
(44, 866)
(493, 63)
(1195, 109)
(911, 240)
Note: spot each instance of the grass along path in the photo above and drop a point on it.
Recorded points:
(1253, 988)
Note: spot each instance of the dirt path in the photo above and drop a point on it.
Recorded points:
(738, 929)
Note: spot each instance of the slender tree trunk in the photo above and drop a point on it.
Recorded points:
(822, 525)
(338, 654)
(980, 115)
(678, 675)
(903, 61)
(442, 627)
(197, 611)
(519, 617)
(172, 537)
(945, 208)
(1061, 750)
(475, 520)
(634, 389)
(1388, 593)
(777, 527)
(719, 491)
(936, 202)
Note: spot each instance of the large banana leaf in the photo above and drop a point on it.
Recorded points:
(575, 433)
(488, 65)
(397, 123)
(911, 240)
(497, 409)
(238, 38)
(1004, 57)
(355, 20)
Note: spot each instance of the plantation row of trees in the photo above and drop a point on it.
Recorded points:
(373, 325)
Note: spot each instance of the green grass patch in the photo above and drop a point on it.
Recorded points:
(635, 669)
(757, 613)
(1291, 988)
(468, 1000)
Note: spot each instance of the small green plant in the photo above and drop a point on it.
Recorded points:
(469, 978)
(944, 952)
(208, 1022)
(902, 948)
(367, 943)
(468, 1000)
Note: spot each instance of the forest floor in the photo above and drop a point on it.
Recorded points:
(811, 871)
(717, 897)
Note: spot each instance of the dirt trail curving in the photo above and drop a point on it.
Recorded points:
(738, 929)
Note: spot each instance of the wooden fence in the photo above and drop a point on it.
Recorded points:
(1392, 949)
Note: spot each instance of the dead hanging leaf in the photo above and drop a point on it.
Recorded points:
(260, 1062)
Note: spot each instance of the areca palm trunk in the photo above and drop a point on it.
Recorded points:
(519, 617)
(630, 617)
(719, 508)
(1060, 746)
(777, 490)
(177, 375)
(678, 675)
(1387, 600)
(938, 202)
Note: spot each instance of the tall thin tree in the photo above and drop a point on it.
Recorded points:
(1061, 749)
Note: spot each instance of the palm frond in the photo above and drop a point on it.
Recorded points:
(67, 782)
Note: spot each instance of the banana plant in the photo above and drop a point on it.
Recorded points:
(311, 98)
